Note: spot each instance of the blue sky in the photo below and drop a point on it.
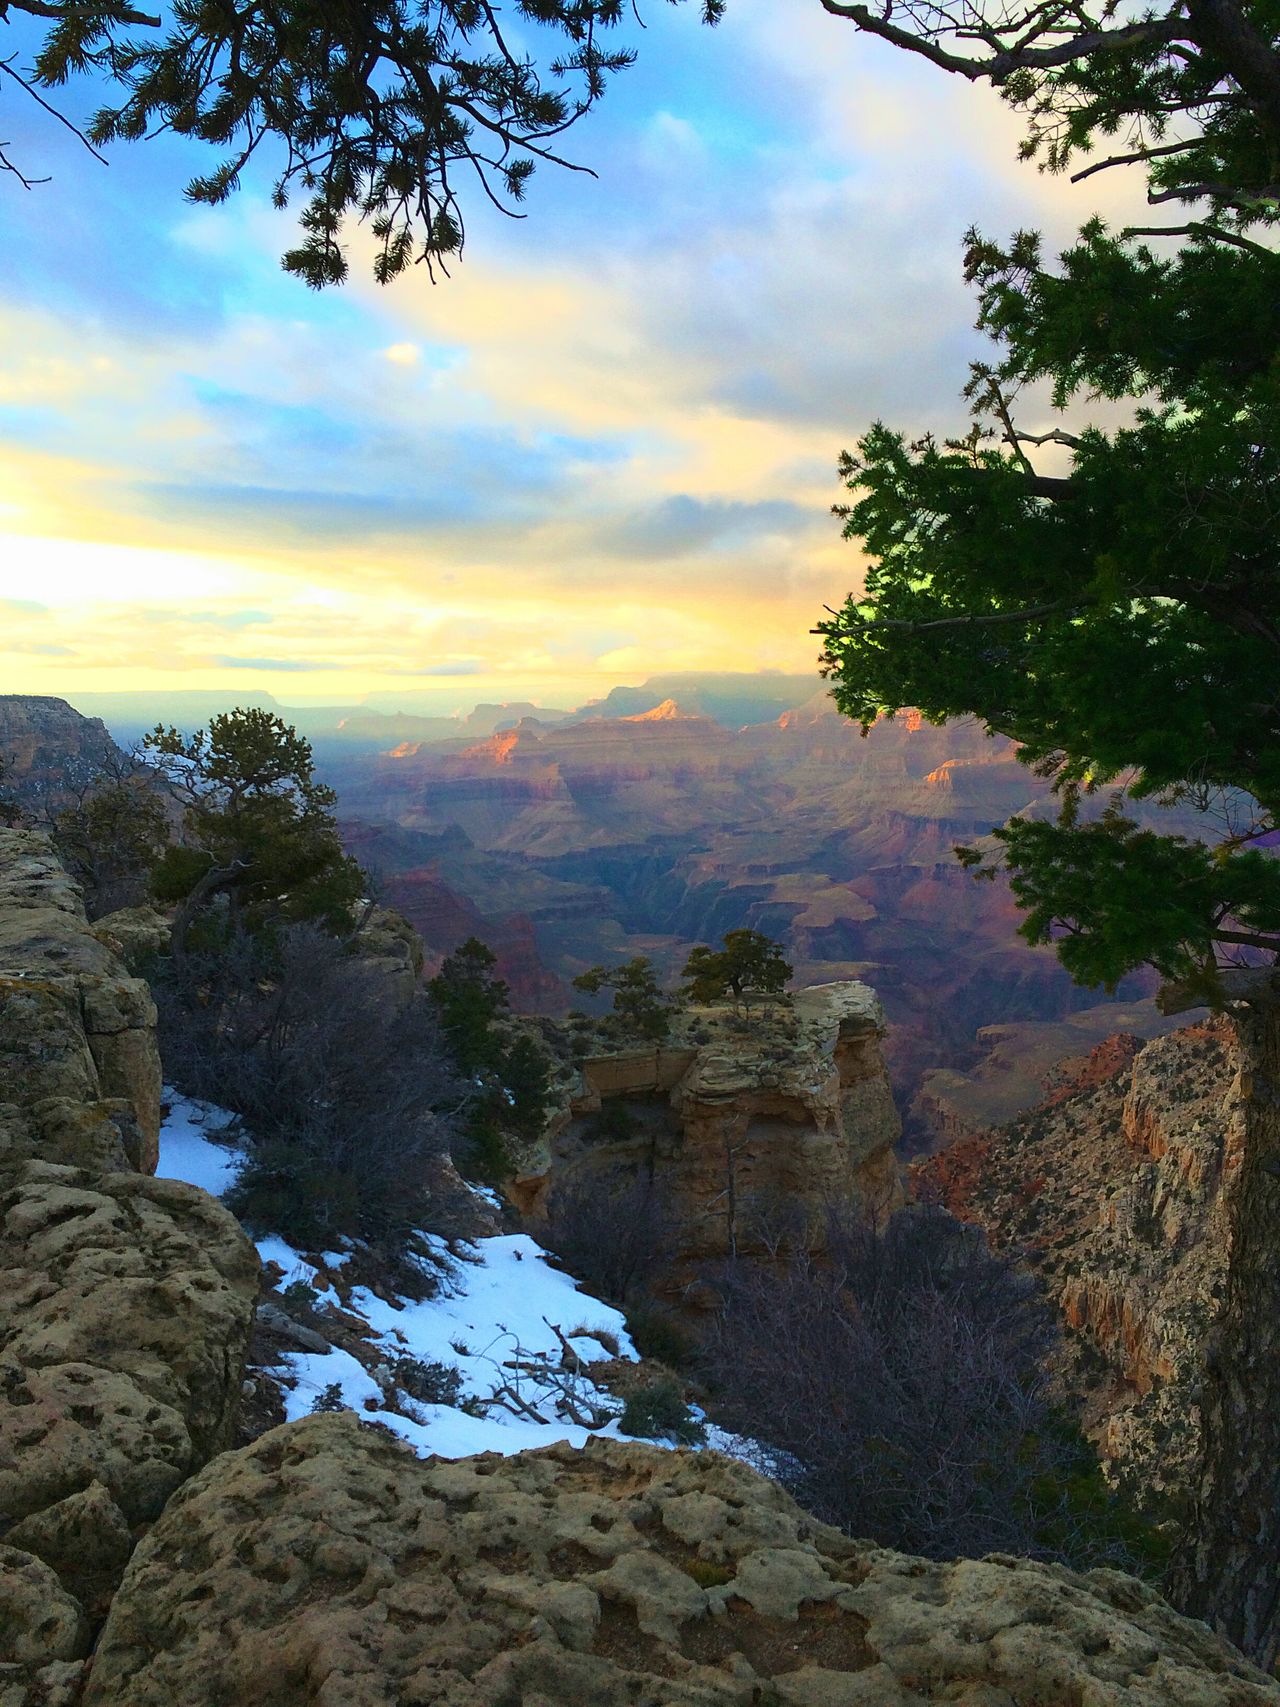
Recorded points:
(605, 447)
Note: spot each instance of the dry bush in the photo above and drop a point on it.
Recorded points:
(899, 1388)
(613, 1239)
(348, 1101)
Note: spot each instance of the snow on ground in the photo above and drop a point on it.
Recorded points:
(187, 1150)
(495, 1314)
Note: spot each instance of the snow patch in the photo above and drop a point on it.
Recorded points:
(494, 1319)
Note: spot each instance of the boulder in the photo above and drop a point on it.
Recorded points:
(326, 1564)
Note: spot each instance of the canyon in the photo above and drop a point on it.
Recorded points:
(145, 1560)
(599, 837)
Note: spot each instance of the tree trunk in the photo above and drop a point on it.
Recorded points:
(1229, 1570)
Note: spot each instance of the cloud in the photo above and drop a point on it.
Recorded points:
(23, 607)
(403, 355)
(453, 667)
(270, 663)
(37, 649)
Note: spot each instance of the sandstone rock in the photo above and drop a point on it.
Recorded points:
(134, 933)
(73, 1024)
(326, 1564)
(39, 1621)
(281, 1323)
(1114, 1190)
(742, 1124)
(85, 1539)
(55, 1685)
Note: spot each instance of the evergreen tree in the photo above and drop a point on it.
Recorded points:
(257, 829)
(471, 998)
(748, 963)
(640, 1006)
(372, 111)
(1116, 609)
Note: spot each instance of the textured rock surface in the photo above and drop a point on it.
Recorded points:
(326, 1565)
(743, 1125)
(1114, 1190)
(75, 1029)
(125, 1300)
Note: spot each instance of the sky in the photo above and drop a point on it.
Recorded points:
(604, 448)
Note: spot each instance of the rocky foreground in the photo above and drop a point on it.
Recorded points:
(327, 1564)
(144, 1565)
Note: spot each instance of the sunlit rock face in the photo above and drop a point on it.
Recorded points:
(750, 1128)
(1115, 1190)
(325, 1563)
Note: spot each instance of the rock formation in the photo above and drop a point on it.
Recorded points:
(125, 1301)
(48, 748)
(617, 835)
(1114, 1189)
(325, 1564)
(749, 1127)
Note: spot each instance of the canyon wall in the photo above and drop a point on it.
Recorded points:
(1114, 1190)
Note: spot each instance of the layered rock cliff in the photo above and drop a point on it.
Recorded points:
(48, 749)
(125, 1300)
(1115, 1190)
(749, 1128)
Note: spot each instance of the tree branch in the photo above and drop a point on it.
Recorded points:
(1134, 159)
(65, 12)
(911, 626)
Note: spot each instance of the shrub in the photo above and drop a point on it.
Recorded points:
(347, 1101)
(329, 1399)
(659, 1338)
(613, 1240)
(429, 1382)
(900, 1390)
(659, 1412)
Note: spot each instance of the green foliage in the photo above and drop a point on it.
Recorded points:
(748, 962)
(470, 998)
(374, 112)
(614, 1124)
(1117, 620)
(11, 813)
(258, 830)
(640, 1006)
(287, 1189)
(1080, 1518)
(299, 1296)
(112, 838)
(659, 1338)
(660, 1412)
(329, 1399)
(526, 1078)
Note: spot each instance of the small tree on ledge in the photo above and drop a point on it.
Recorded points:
(748, 963)
(640, 1006)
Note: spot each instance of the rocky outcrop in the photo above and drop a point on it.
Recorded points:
(325, 1564)
(749, 1127)
(48, 749)
(1114, 1189)
(125, 1300)
(75, 1029)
